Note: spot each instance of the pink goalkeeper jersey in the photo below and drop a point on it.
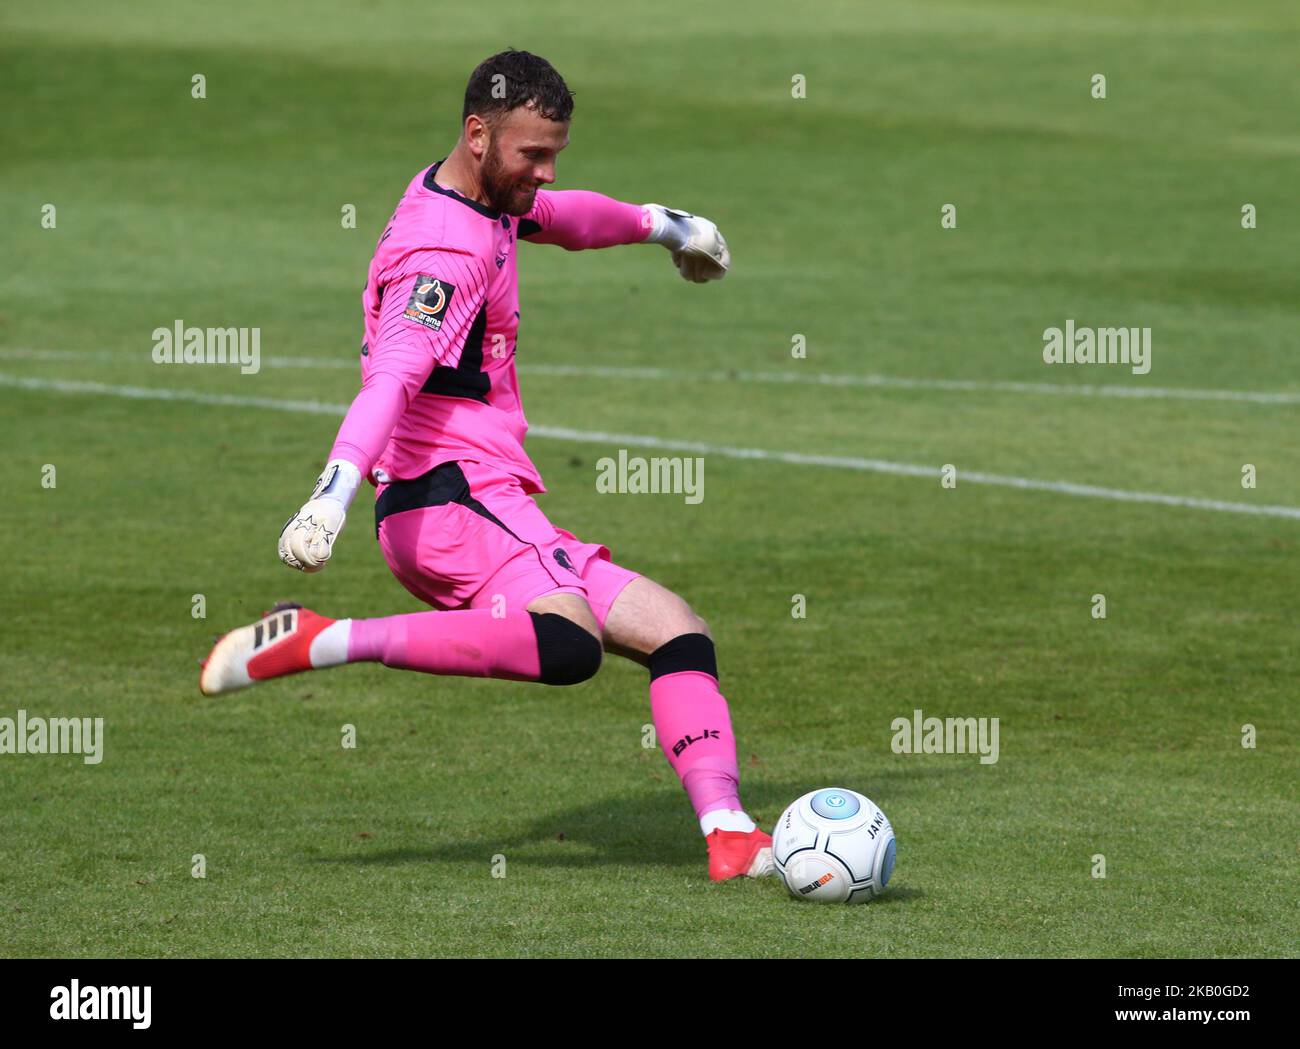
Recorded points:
(441, 321)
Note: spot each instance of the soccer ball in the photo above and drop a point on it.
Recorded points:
(834, 846)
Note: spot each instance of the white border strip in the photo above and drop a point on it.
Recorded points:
(883, 466)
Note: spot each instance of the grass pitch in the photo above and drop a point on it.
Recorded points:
(1120, 737)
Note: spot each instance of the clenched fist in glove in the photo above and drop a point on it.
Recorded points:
(698, 248)
(307, 539)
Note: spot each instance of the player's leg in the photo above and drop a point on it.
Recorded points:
(453, 554)
(519, 623)
(568, 638)
(543, 646)
(644, 617)
(552, 640)
(651, 625)
(571, 606)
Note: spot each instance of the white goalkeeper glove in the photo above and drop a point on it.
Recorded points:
(307, 539)
(698, 248)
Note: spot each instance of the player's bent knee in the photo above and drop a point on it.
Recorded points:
(566, 652)
(683, 619)
(677, 617)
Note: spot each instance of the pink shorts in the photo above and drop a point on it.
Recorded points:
(466, 535)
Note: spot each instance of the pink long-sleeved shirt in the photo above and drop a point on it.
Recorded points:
(441, 322)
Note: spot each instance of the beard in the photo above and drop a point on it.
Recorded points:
(502, 192)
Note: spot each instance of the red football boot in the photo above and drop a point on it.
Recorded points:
(277, 644)
(737, 853)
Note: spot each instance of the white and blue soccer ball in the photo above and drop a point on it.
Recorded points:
(834, 846)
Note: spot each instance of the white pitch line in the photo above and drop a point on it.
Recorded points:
(893, 382)
(154, 393)
(841, 379)
(883, 466)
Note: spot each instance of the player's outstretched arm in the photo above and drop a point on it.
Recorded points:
(577, 219)
(405, 352)
(308, 537)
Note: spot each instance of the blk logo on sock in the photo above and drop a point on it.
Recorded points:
(688, 739)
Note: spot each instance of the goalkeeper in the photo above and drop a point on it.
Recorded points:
(438, 429)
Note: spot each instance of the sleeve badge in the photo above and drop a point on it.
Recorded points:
(429, 301)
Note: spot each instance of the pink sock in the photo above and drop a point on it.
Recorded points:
(470, 643)
(694, 730)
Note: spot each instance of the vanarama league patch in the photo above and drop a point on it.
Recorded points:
(429, 301)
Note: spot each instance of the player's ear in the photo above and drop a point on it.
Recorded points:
(478, 135)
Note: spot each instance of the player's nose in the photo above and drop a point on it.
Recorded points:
(544, 174)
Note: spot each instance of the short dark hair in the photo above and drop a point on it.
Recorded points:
(524, 78)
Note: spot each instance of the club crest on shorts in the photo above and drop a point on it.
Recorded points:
(429, 301)
(562, 556)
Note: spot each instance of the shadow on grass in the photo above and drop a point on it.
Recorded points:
(624, 831)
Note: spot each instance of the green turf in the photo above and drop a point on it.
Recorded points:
(1120, 737)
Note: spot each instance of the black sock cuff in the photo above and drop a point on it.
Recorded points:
(684, 652)
(566, 653)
